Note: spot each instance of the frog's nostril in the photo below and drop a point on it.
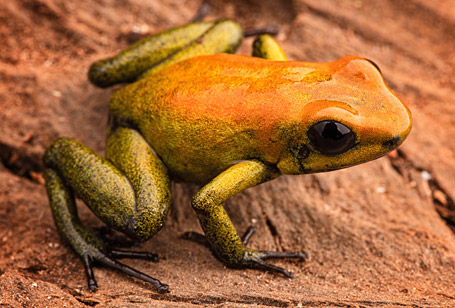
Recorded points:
(392, 143)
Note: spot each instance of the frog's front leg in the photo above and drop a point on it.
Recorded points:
(218, 228)
(130, 191)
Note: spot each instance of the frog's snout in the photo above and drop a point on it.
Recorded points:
(392, 143)
(399, 132)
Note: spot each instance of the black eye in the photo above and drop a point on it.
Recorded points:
(375, 65)
(331, 137)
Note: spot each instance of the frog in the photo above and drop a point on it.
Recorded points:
(193, 111)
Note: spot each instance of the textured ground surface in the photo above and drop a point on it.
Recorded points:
(378, 235)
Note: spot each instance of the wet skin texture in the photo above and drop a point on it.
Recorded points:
(226, 122)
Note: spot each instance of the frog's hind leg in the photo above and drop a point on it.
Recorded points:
(144, 54)
(129, 191)
(160, 50)
(223, 37)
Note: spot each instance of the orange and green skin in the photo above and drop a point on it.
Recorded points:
(227, 122)
(130, 190)
(204, 114)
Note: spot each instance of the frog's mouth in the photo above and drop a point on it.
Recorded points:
(303, 159)
(300, 153)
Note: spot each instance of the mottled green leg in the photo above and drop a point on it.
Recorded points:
(140, 56)
(218, 228)
(160, 50)
(129, 191)
(224, 37)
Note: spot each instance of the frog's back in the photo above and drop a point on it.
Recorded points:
(225, 87)
(203, 114)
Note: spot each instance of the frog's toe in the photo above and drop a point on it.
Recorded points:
(160, 287)
(108, 260)
(248, 234)
(87, 260)
(256, 259)
(120, 254)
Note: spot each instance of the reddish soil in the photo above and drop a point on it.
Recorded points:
(378, 235)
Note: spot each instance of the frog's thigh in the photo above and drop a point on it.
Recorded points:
(130, 152)
(213, 218)
(131, 192)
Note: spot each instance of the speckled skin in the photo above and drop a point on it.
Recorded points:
(132, 62)
(212, 111)
(227, 122)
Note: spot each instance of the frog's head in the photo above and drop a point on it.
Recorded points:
(351, 117)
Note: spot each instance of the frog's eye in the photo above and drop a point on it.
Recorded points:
(331, 137)
(375, 65)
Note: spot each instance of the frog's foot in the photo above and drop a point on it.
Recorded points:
(256, 259)
(88, 245)
(251, 258)
(109, 260)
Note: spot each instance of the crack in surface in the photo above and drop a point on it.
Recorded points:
(18, 162)
(86, 301)
(443, 203)
(217, 300)
(273, 302)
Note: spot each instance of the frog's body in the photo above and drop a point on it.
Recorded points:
(203, 114)
(226, 121)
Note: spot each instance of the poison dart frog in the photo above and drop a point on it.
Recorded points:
(192, 111)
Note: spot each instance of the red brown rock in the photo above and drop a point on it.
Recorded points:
(373, 232)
